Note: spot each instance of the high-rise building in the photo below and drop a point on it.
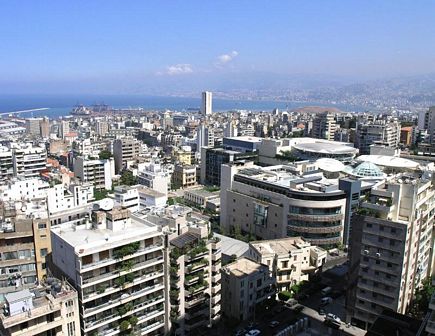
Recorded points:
(28, 160)
(206, 104)
(184, 176)
(97, 172)
(195, 280)
(45, 127)
(116, 264)
(381, 132)
(125, 150)
(204, 137)
(391, 247)
(33, 126)
(102, 128)
(63, 129)
(324, 126)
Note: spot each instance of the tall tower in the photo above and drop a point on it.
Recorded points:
(206, 106)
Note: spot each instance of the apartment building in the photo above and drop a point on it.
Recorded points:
(116, 265)
(430, 326)
(324, 126)
(125, 150)
(28, 160)
(195, 280)
(50, 308)
(33, 126)
(6, 163)
(24, 245)
(102, 128)
(291, 260)
(97, 172)
(62, 198)
(127, 197)
(275, 202)
(245, 284)
(183, 176)
(391, 247)
(154, 177)
(384, 132)
(199, 197)
(23, 189)
(151, 198)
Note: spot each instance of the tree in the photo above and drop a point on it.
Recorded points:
(420, 304)
(100, 194)
(104, 155)
(127, 178)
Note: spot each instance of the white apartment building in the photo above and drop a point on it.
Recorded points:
(127, 197)
(116, 264)
(61, 198)
(28, 160)
(154, 177)
(24, 189)
(150, 198)
(102, 128)
(391, 248)
(6, 163)
(96, 172)
(125, 150)
(195, 279)
(291, 260)
(245, 283)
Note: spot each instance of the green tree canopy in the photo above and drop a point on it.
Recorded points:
(127, 178)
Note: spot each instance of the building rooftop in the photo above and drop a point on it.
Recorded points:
(87, 240)
(184, 239)
(231, 246)
(203, 192)
(252, 139)
(388, 161)
(150, 192)
(325, 147)
(280, 246)
(244, 267)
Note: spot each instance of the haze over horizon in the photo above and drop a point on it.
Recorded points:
(173, 47)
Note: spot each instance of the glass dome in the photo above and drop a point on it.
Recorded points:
(367, 169)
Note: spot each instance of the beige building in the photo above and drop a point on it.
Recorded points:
(49, 309)
(183, 157)
(195, 279)
(245, 283)
(116, 264)
(183, 176)
(291, 260)
(24, 245)
(125, 150)
(391, 247)
(324, 126)
(200, 197)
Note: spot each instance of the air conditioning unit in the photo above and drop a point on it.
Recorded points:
(378, 255)
(366, 252)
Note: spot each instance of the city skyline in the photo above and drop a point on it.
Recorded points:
(148, 48)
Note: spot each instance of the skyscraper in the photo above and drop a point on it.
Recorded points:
(206, 106)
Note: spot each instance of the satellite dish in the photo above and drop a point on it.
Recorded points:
(106, 204)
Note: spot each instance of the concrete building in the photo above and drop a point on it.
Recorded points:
(33, 126)
(275, 202)
(64, 129)
(24, 244)
(324, 126)
(150, 198)
(127, 197)
(245, 283)
(17, 189)
(207, 103)
(28, 160)
(96, 172)
(242, 143)
(199, 197)
(204, 137)
(48, 309)
(195, 280)
(430, 326)
(116, 264)
(102, 128)
(291, 260)
(6, 163)
(154, 177)
(391, 247)
(61, 198)
(125, 150)
(183, 176)
(45, 128)
(385, 132)
(212, 160)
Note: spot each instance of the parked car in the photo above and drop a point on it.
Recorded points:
(298, 308)
(326, 290)
(325, 301)
(322, 311)
(273, 324)
(240, 332)
(253, 332)
(333, 318)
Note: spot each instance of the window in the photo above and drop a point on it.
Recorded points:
(377, 262)
(381, 227)
(43, 252)
(71, 328)
(369, 225)
(42, 226)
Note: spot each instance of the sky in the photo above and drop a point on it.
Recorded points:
(163, 46)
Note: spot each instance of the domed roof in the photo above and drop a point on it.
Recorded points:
(330, 165)
(367, 169)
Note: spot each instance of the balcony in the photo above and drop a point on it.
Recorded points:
(151, 327)
(194, 302)
(215, 299)
(387, 303)
(216, 256)
(316, 218)
(216, 278)
(215, 289)
(322, 229)
(324, 241)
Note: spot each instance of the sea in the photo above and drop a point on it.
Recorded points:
(55, 106)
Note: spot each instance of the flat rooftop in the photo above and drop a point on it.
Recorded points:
(252, 139)
(230, 246)
(280, 246)
(87, 240)
(203, 192)
(244, 267)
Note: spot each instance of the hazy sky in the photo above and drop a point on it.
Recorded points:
(135, 46)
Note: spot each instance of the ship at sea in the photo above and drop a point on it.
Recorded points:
(81, 110)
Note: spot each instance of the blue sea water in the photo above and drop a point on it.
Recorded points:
(61, 105)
